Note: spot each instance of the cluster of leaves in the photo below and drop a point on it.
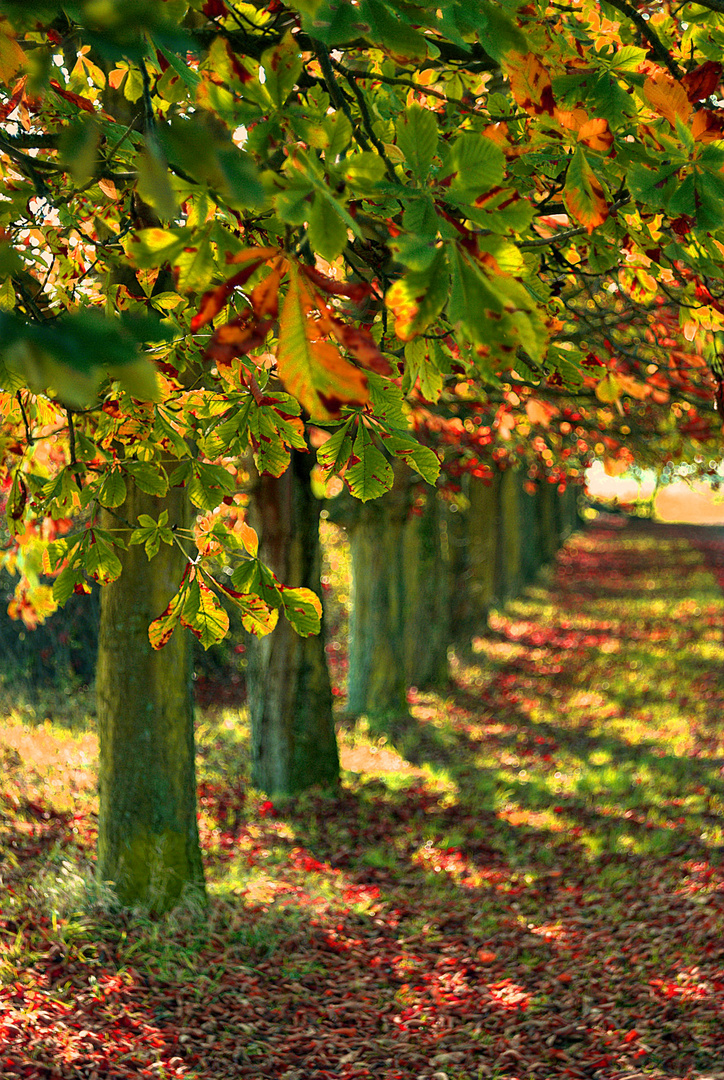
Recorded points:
(404, 193)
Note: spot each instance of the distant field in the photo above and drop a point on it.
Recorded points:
(680, 502)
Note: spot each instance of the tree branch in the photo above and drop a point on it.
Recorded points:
(646, 30)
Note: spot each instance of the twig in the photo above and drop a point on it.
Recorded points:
(26, 423)
(71, 440)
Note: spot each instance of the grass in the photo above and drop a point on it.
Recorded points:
(522, 878)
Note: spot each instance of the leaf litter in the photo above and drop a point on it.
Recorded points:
(537, 892)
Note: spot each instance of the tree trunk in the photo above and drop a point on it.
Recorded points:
(294, 744)
(426, 599)
(377, 685)
(548, 521)
(532, 557)
(508, 562)
(483, 548)
(148, 842)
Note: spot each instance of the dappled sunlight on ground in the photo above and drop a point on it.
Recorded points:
(522, 880)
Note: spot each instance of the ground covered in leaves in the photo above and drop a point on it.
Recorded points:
(526, 881)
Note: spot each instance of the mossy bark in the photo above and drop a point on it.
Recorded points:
(294, 744)
(532, 557)
(426, 598)
(509, 549)
(148, 842)
(377, 684)
(483, 532)
(548, 520)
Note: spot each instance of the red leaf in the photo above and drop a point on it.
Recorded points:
(354, 290)
(702, 81)
(75, 99)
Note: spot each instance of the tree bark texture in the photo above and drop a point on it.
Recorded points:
(377, 684)
(531, 555)
(148, 842)
(426, 600)
(484, 532)
(294, 744)
(509, 546)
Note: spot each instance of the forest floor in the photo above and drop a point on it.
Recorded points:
(522, 880)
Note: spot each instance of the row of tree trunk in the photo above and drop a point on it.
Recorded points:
(425, 576)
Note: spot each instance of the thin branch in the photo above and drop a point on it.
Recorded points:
(658, 48)
(26, 423)
(71, 440)
(367, 121)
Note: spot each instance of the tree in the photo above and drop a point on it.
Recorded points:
(351, 199)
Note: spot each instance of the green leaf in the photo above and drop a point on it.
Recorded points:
(154, 184)
(8, 299)
(338, 131)
(472, 297)
(65, 583)
(256, 616)
(500, 35)
(370, 474)
(475, 164)
(364, 171)
(417, 298)
(150, 478)
(101, 561)
(203, 614)
(417, 138)
(420, 458)
(112, 491)
(154, 247)
(245, 578)
(195, 266)
(420, 368)
(209, 485)
(282, 67)
(161, 629)
(326, 231)
(303, 610)
(78, 149)
(334, 454)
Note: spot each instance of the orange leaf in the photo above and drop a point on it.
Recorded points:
(597, 135)
(355, 339)
(12, 57)
(583, 194)
(540, 412)
(312, 369)
(530, 83)
(667, 97)
(707, 126)
(264, 297)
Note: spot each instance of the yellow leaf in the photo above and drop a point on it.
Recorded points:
(608, 390)
(311, 368)
(248, 538)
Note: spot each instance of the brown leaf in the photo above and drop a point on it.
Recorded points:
(702, 81)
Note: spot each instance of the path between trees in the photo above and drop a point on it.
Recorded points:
(543, 897)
